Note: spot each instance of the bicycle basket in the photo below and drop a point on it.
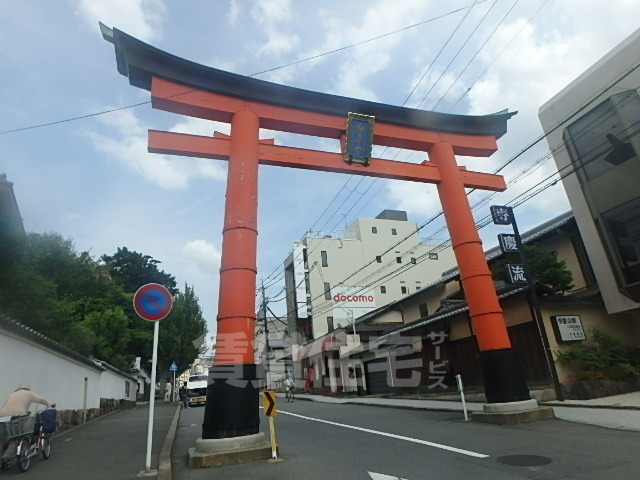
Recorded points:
(17, 427)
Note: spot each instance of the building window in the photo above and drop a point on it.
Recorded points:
(424, 310)
(327, 291)
(378, 259)
(394, 231)
(330, 323)
(413, 260)
(398, 259)
(323, 257)
(374, 230)
(600, 141)
(383, 289)
(127, 389)
(624, 224)
(433, 256)
(403, 289)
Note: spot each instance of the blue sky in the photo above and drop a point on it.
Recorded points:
(92, 180)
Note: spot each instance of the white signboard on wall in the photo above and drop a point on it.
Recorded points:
(568, 328)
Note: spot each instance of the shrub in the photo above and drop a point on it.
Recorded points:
(603, 357)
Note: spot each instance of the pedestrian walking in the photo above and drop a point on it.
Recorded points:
(182, 393)
(167, 392)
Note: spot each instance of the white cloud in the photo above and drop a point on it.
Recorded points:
(361, 62)
(198, 126)
(204, 254)
(273, 16)
(140, 18)
(234, 12)
(129, 146)
(417, 199)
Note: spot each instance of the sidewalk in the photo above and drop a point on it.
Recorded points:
(111, 447)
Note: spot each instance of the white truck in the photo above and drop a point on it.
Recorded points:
(197, 389)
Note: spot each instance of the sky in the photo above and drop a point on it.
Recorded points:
(73, 132)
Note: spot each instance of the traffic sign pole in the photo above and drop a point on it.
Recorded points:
(152, 302)
(174, 369)
(152, 396)
(274, 444)
(271, 410)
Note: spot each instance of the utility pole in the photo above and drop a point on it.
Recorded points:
(267, 372)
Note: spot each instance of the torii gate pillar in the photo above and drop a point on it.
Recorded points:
(503, 378)
(231, 410)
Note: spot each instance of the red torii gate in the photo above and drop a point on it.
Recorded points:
(248, 104)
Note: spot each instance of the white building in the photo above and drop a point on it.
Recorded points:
(332, 279)
(592, 128)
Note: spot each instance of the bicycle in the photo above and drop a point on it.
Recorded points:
(290, 395)
(27, 443)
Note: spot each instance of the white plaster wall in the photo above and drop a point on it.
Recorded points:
(57, 378)
(113, 385)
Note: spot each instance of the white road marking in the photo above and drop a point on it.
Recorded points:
(382, 476)
(392, 435)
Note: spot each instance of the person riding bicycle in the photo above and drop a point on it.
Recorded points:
(17, 405)
(289, 385)
(18, 402)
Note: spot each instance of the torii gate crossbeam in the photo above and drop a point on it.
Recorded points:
(183, 87)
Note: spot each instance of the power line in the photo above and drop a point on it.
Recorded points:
(439, 53)
(499, 55)
(433, 85)
(313, 57)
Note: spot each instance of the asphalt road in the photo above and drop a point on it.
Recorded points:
(320, 441)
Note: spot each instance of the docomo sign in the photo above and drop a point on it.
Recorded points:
(354, 297)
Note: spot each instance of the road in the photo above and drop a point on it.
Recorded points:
(319, 441)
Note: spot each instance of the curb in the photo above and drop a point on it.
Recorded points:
(582, 405)
(452, 409)
(164, 464)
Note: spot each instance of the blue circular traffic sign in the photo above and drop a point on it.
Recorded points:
(152, 302)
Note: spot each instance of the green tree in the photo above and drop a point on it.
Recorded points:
(182, 331)
(545, 268)
(87, 305)
(133, 270)
(30, 287)
(111, 328)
